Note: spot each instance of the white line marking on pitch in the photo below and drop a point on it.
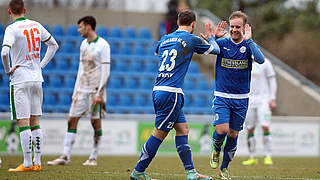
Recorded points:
(240, 177)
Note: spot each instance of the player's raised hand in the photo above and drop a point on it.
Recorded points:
(247, 32)
(209, 31)
(220, 30)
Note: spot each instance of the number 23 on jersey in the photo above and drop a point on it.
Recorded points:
(169, 67)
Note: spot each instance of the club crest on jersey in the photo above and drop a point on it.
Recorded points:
(243, 49)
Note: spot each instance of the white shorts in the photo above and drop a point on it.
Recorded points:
(82, 103)
(25, 100)
(260, 114)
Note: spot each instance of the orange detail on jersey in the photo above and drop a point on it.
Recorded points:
(35, 47)
(37, 38)
(27, 25)
(26, 33)
(33, 56)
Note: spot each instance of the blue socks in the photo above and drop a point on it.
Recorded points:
(218, 140)
(229, 151)
(184, 152)
(149, 150)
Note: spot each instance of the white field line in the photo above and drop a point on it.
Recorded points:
(235, 177)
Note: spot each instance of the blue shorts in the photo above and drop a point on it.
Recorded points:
(168, 109)
(232, 111)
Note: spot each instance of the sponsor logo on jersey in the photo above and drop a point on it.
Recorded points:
(234, 64)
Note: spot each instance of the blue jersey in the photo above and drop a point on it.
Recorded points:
(175, 51)
(233, 67)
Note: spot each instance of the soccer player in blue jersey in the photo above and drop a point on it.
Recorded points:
(175, 51)
(233, 73)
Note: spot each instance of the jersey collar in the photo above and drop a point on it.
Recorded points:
(20, 19)
(235, 42)
(95, 40)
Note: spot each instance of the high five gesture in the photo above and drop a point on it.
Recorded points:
(247, 32)
(220, 30)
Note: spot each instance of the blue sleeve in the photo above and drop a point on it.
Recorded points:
(201, 46)
(157, 48)
(255, 52)
(216, 48)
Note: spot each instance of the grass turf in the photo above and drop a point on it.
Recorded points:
(163, 167)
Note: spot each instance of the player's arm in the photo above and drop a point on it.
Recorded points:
(273, 89)
(5, 59)
(214, 45)
(272, 82)
(105, 73)
(51, 50)
(76, 85)
(105, 70)
(156, 52)
(210, 38)
(202, 46)
(8, 41)
(256, 52)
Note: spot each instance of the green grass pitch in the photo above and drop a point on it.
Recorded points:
(163, 167)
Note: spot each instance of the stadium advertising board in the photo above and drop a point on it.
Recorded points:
(9, 138)
(118, 137)
(288, 139)
(199, 138)
(125, 137)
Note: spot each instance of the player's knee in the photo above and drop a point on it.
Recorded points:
(222, 128)
(182, 129)
(93, 124)
(23, 122)
(265, 129)
(72, 123)
(251, 131)
(233, 133)
(160, 134)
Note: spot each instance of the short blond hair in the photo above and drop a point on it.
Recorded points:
(239, 14)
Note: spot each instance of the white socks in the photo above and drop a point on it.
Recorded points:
(68, 142)
(70, 139)
(267, 144)
(37, 139)
(26, 144)
(96, 145)
(252, 146)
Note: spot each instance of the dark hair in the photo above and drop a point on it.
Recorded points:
(16, 6)
(186, 17)
(88, 20)
(239, 14)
